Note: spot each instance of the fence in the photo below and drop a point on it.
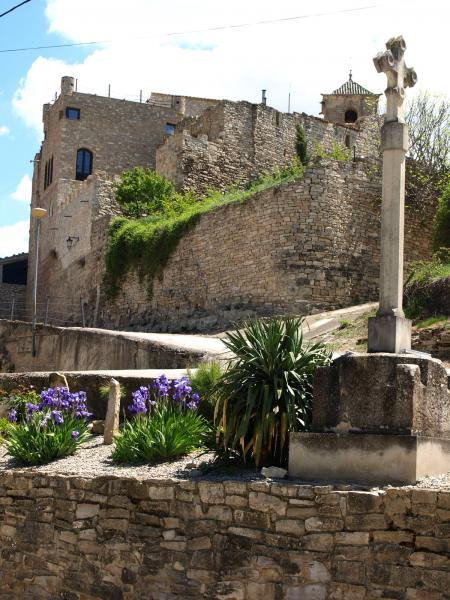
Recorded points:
(53, 310)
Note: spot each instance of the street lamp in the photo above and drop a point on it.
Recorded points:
(37, 213)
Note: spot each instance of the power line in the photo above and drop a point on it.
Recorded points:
(217, 28)
(14, 8)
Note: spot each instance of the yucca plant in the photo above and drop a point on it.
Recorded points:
(266, 391)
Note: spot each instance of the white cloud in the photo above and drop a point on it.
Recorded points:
(14, 238)
(23, 190)
(4, 130)
(307, 56)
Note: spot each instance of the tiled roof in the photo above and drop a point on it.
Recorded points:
(350, 88)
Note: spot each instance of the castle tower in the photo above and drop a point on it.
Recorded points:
(349, 102)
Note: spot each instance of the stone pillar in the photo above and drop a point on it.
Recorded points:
(113, 412)
(389, 331)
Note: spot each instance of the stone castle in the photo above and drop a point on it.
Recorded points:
(303, 246)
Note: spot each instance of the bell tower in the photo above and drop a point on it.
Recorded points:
(349, 103)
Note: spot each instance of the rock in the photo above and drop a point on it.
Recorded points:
(111, 425)
(191, 465)
(273, 472)
(98, 427)
(58, 380)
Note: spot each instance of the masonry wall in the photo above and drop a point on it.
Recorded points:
(118, 538)
(310, 244)
(235, 142)
(12, 297)
(83, 349)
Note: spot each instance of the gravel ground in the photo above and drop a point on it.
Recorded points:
(93, 459)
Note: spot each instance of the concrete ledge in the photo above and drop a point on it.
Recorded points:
(367, 458)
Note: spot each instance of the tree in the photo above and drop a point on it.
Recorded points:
(428, 117)
(301, 146)
(141, 192)
(442, 221)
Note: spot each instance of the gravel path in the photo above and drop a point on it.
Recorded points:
(93, 459)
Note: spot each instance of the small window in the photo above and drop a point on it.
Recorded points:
(73, 114)
(48, 173)
(347, 141)
(351, 116)
(170, 128)
(84, 164)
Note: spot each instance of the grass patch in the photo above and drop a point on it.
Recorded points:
(431, 321)
(148, 243)
(425, 272)
(420, 286)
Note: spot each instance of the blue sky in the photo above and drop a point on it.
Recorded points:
(27, 26)
(304, 56)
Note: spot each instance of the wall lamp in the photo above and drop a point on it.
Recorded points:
(71, 241)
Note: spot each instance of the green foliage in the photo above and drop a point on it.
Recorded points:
(301, 145)
(204, 382)
(18, 398)
(431, 321)
(417, 292)
(424, 272)
(142, 192)
(147, 244)
(414, 308)
(266, 390)
(167, 433)
(35, 444)
(337, 152)
(344, 324)
(442, 220)
(5, 428)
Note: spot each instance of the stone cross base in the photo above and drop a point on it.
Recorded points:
(367, 458)
(381, 418)
(389, 334)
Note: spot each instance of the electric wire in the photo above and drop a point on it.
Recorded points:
(14, 8)
(191, 31)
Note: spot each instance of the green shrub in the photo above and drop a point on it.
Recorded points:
(337, 152)
(266, 390)
(5, 428)
(204, 382)
(53, 428)
(442, 221)
(301, 145)
(147, 244)
(19, 398)
(142, 192)
(167, 433)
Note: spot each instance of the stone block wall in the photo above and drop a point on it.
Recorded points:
(235, 142)
(312, 243)
(116, 538)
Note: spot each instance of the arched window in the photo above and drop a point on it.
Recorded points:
(84, 164)
(351, 116)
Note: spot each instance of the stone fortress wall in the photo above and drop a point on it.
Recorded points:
(287, 249)
(124, 538)
(309, 244)
(235, 142)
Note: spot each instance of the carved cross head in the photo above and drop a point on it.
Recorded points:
(399, 76)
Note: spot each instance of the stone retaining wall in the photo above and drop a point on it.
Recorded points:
(78, 349)
(309, 244)
(110, 538)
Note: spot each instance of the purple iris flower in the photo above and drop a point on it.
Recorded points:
(57, 417)
(12, 416)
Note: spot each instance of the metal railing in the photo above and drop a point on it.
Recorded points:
(53, 310)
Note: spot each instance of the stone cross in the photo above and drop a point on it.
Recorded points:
(389, 331)
(399, 77)
(112, 413)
